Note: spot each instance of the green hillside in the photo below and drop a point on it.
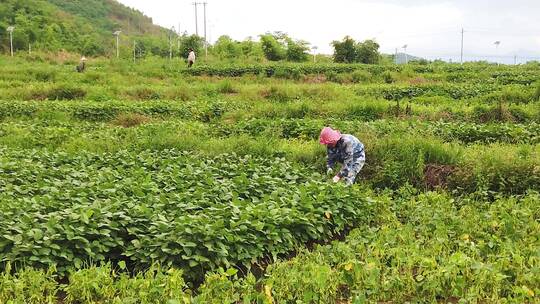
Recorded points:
(73, 25)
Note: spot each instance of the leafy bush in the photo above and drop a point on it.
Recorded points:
(144, 93)
(280, 94)
(65, 92)
(160, 226)
(388, 77)
(536, 95)
(361, 76)
(128, 120)
(226, 87)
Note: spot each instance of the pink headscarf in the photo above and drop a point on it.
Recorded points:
(329, 136)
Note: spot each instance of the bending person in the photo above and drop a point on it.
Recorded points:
(346, 150)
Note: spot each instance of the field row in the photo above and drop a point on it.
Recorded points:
(182, 210)
(454, 156)
(99, 88)
(412, 248)
(54, 133)
(155, 68)
(235, 110)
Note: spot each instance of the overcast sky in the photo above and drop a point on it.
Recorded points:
(430, 28)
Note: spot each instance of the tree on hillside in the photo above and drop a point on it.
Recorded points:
(367, 52)
(349, 51)
(191, 42)
(297, 50)
(279, 46)
(227, 48)
(345, 50)
(272, 48)
(251, 49)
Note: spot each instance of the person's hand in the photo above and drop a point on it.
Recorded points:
(336, 179)
(329, 171)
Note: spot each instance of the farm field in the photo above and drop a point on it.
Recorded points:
(149, 183)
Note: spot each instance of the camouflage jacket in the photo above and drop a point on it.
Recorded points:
(348, 151)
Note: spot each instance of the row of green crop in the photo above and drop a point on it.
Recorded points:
(488, 93)
(192, 212)
(448, 131)
(107, 72)
(216, 109)
(52, 133)
(416, 248)
(505, 74)
(286, 69)
(398, 151)
(74, 90)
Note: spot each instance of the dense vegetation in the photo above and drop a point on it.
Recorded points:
(84, 27)
(147, 182)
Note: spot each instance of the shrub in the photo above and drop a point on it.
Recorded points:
(338, 77)
(65, 92)
(492, 113)
(226, 87)
(128, 120)
(280, 93)
(499, 169)
(45, 75)
(143, 93)
(515, 95)
(182, 93)
(28, 286)
(388, 77)
(360, 76)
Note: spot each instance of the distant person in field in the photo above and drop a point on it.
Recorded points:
(191, 58)
(346, 150)
(82, 65)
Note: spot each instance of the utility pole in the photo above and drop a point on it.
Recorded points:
(497, 43)
(462, 32)
(117, 34)
(196, 21)
(205, 40)
(395, 57)
(406, 56)
(314, 48)
(10, 30)
(515, 59)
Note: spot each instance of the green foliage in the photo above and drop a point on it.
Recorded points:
(214, 173)
(297, 50)
(345, 50)
(191, 42)
(349, 51)
(66, 93)
(77, 26)
(28, 286)
(159, 226)
(272, 48)
(361, 76)
(367, 52)
(226, 48)
(536, 95)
